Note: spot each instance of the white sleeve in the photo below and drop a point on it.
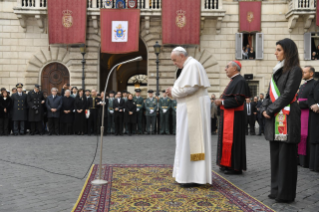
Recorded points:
(182, 92)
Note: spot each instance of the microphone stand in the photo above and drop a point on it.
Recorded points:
(100, 181)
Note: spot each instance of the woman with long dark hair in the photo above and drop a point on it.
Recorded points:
(130, 114)
(5, 105)
(80, 106)
(282, 123)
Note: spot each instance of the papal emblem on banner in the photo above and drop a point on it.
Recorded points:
(250, 17)
(119, 31)
(180, 18)
(132, 4)
(67, 19)
(108, 4)
(120, 4)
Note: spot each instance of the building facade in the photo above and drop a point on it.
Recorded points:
(25, 55)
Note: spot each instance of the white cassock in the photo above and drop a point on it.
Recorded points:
(193, 125)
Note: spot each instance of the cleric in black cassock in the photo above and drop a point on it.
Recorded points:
(67, 113)
(313, 101)
(304, 90)
(231, 147)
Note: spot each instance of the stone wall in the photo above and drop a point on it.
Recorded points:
(24, 54)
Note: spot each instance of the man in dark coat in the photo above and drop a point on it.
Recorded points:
(67, 113)
(5, 106)
(250, 110)
(93, 105)
(19, 110)
(130, 114)
(35, 101)
(304, 91)
(260, 117)
(313, 102)
(118, 106)
(54, 105)
(106, 102)
(231, 147)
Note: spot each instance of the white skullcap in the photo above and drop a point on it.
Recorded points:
(179, 49)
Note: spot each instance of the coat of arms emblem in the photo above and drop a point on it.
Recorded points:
(119, 31)
(108, 4)
(250, 17)
(120, 4)
(180, 18)
(67, 19)
(132, 3)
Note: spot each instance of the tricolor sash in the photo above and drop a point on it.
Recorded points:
(281, 117)
(228, 134)
(302, 146)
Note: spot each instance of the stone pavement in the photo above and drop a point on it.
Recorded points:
(32, 189)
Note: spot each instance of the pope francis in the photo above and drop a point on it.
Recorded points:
(192, 164)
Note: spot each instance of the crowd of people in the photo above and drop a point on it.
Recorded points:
(75, 111)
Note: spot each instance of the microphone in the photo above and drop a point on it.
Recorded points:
(101, 181)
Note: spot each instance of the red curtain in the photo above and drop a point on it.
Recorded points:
(67, 21)
(250, 16)
(132, 17)
(181, 22)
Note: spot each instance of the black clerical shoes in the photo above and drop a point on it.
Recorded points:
(189, 185)
(284, 201)
(230, 172)
(270, 196)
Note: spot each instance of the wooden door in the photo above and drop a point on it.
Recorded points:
(54, 75)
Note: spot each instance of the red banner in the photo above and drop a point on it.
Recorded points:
(317, 16)
(120, 30)
(181, 22)
(67, 21)
(250, 16)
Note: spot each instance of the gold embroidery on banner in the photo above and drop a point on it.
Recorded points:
(67, 19)
(250, 16)
(180, 18)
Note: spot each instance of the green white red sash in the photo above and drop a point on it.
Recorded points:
(281, 117)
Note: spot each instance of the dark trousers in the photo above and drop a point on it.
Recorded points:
(118, 122)
(261, 122)
(36, 125)
(18, 125)
(130, 127)
(314, 157)
(67, 128)
(283, 164)
(4, 126)
(93, 122)
(250, 120)
(53, 124)
(150, 120)
(213, 125)
(139, 121)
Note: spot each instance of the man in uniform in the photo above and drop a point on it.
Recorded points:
(93, 105)
(35, 101)
(164, 107)
(110, 113)
(139, 101)
(150, 107)
(19, 110)
(174, 106)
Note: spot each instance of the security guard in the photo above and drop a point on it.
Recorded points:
(139, 101)
(174, 106)
(164, 109)
(150, 107)
(19, 110)
(110, 114)
(35, 101)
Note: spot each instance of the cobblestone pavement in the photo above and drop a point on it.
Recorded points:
(36, 188)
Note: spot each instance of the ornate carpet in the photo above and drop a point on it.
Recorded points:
(133, 188)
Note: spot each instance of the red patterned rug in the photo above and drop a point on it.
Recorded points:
(133, 188)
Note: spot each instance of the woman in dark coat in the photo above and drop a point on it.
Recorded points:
(80, 106)
(103, 96)
(5, 105)
(67, 113)
(130, 114)
(284, 135)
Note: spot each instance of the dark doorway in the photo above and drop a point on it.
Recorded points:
(54, 75)
(119, 78)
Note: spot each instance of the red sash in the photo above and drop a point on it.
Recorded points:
(228, 134)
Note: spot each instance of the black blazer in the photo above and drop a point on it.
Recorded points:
(120, 106)
(288, 85)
